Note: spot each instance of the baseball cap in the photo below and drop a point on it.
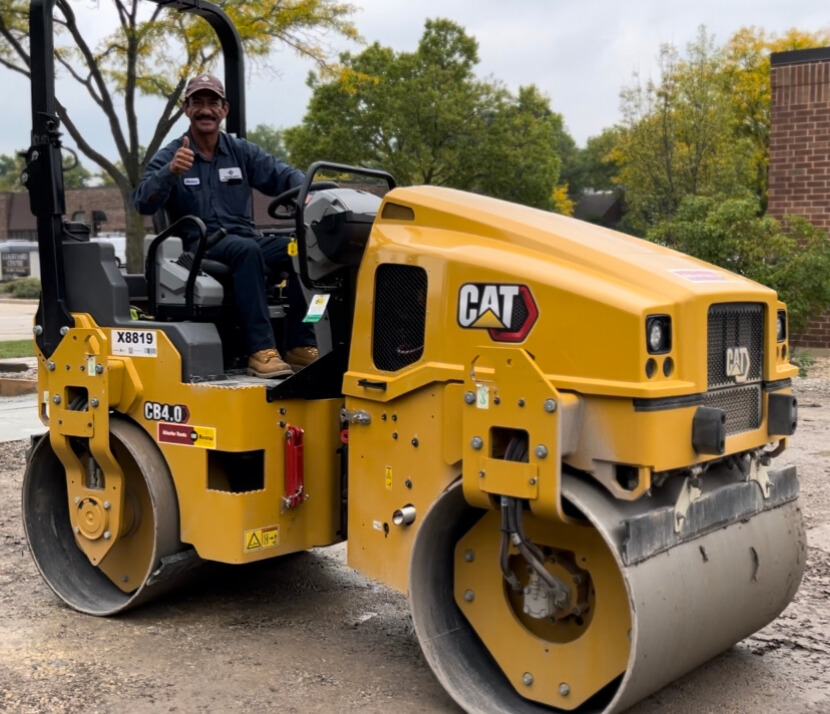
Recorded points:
(204, 81)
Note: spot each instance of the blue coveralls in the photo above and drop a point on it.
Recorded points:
(219, 192)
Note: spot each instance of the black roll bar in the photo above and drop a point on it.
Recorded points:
(231, 53)
(150, 260)
(43, 176)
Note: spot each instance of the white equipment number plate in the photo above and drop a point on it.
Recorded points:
(135, 343)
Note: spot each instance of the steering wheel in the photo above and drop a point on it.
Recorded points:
(286, 199)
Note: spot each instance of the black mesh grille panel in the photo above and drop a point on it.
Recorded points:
(733, 326)
(741, 404)
(400, 316)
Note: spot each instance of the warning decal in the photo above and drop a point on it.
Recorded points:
(186, 435)
(261, 538)
(701, 275)
(388, 478)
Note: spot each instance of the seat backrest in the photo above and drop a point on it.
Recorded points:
(172, 248)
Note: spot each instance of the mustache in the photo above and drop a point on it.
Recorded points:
(206, 115)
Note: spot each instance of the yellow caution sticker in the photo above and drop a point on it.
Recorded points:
(260, 538)
(388, 478)
(292, 247)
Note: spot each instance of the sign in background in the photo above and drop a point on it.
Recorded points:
(15, 264)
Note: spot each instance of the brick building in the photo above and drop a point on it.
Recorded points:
(17, 222)
(799, 166)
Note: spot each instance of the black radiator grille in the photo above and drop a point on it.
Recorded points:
(742, 406)
(400, 316)
(732, 326)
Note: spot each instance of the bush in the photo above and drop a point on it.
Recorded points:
(22, 288)
(793, 260)
(803, 360)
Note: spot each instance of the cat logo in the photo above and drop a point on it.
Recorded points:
(737, 363)
(507, 312)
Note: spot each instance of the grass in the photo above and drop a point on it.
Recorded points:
(17, 348)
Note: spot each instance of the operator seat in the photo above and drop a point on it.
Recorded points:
(213, 298)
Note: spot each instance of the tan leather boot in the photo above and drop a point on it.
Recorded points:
(301, 356)
(268, 364)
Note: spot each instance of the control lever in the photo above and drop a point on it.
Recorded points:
(214, 238)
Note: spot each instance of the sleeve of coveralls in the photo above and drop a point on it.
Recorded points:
(268, 174)
(157, 182)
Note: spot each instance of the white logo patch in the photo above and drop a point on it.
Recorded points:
(486, 306)
(192, 181)
(737, 363)
(234, 173)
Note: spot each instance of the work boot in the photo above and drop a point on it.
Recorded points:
(301, 356)
(267, 364)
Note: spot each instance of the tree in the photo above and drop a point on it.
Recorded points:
(424, 117)
(746, 84)
(572, 171)
(599, 167)
(268, 138)
(793, 259)
(11, 168)
(152, 53)
(561, 201)
(517, 159)
(679, 139)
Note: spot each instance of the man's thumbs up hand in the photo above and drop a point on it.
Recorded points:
(183, 159)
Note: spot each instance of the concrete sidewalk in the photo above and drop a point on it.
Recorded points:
(16, 319)
(18, 418)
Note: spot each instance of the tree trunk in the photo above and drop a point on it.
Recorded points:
(135, 237)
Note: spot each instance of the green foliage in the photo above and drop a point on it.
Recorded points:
(599, 166)
(702, 127)
(592, 168)
(151, 52)
(804, 360)
(269, 138)
(11, 167)
(572, 168)
(794, 259)
(424, 117)
(679, 140)
(746, 83)
(17, 348)
(22, 288)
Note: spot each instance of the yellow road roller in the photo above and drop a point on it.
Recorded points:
(556, 438)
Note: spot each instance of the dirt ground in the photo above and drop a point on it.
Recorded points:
(307, 634)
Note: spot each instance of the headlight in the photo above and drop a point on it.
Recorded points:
(781, 326)
(658, 334)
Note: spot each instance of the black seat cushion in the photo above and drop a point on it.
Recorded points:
(221, 271)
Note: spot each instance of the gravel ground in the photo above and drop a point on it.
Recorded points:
(307, 634)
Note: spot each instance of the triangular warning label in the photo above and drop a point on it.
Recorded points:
(253, 542)
(488, 321)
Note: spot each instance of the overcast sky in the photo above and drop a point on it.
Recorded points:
(579, 53)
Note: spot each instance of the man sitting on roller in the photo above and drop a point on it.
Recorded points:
(209, 174)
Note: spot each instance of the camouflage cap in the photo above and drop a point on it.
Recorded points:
(207, 82)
